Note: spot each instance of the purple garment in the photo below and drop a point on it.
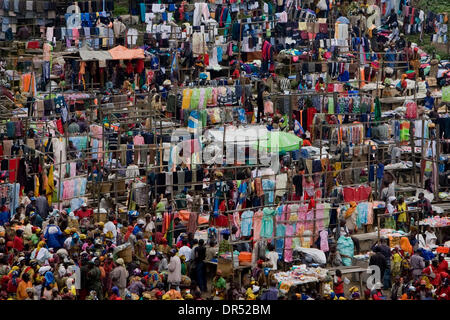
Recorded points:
(271, 294)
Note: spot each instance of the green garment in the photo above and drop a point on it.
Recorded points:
(195, 99)
(267, 223)
(377, 109)
(224, 247)
(220, 283)
(183, 269)
(34, 239)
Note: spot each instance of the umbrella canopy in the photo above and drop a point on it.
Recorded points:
(279, 141)
(343, 20)
(123, 53)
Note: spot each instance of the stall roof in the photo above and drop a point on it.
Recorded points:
(122, 53)
(87, 55)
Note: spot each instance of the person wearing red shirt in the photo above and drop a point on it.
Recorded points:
(18, 241)
(84, 212)
(338, 285)
(306, 142)
(115, 294)
(433, 274)
(443, 264)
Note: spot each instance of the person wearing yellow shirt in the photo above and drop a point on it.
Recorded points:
(401, 209)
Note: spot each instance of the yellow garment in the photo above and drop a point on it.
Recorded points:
(402, 215)
(36, 186)
(50, 186)
(406, 245)
(337, 168)
(350, 210)
(186, 102)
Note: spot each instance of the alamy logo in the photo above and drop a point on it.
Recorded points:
(374, 280)
(209, 147)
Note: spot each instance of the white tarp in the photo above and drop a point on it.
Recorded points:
(239, 135)
(89, 55)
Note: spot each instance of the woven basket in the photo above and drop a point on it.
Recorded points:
(126, 254)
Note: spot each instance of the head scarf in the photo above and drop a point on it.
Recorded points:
(350, 210)
(405, 245)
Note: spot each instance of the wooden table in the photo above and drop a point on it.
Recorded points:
(237, 269)
(350, 270)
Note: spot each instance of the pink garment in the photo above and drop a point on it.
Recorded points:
(75, 33)
(257, 221)
(324, 241)
(237, 223)
(268, 107)
(73, 169)
(370, 213)
(138, 140)
(319, 216)
(288, 243)
(68, 189)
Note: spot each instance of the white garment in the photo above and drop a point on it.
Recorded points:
(186, 252)
(110, 226)
(132, 36)
(132, 171)
(273, 257)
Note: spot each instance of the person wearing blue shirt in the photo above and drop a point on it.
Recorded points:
(139, 227)
(54, 235)
(4, 215)
(429, 101)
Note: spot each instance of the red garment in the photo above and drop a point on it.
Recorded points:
(221, 221)
(18, 243)
(11, 287)
(33, 45)
(140, 66)
(339, 287)
(129, 67)
(309, 117)
(443, 266)
(362, 193)
(235, 74)
(349, 194)
(84, 214)
(129, 232)
(377, 296)
(114, 297)
(59, 125)
(13, 166)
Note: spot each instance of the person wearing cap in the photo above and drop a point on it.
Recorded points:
(31, 206)
(119, 276)
(167, 84)
(84, 211)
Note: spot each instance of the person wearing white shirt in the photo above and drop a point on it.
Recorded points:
(185, 251)
(272, 256)
(430, 237)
